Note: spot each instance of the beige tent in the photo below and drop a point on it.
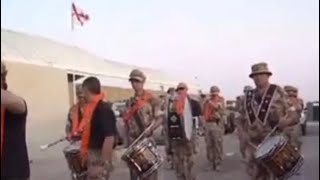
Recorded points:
(43, 72)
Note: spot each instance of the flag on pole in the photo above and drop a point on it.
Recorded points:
(78, 16)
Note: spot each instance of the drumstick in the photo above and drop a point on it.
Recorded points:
(267, 137)
(46, 146)
(271, 132)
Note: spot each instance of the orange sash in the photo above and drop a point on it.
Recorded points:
(180, 102)
(2, 127)
(209, 108)
(140, 103)
(86, 125)
(77, 126)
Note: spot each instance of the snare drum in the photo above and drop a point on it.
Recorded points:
(142, 158)
(72, 154)
(279, 156)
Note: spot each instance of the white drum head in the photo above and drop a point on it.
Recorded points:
(268, 145)
(187, 119)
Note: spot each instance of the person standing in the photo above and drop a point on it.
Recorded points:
(98, 133)
(213, 117)
(14, 151)
(144, 111)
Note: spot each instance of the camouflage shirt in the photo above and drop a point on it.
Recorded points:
(144, 116)
(279, 110)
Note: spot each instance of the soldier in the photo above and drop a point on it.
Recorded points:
(75, 115)
(144, 109)
(168, 148)
(213, 118)
(241, 133)
(202, 101)
(294, 132)
(266, 107)
(183, 150)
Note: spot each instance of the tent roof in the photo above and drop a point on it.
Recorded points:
(37, 50)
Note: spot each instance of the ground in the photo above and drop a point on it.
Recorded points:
(50, 165)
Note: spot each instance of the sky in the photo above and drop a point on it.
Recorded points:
(215, 41)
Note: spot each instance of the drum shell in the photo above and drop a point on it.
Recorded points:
(142, 158)
(283, 160)
(72, 155)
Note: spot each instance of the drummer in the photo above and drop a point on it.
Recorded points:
(278, 115)
(184, 150)
(75, 115)
(294, 132)
(144, 109)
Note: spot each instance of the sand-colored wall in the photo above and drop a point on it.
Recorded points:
(46, 91)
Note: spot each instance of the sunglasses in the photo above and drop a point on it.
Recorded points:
(134, 80)
(181, 89)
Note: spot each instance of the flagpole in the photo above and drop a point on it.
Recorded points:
(73, 74)
(71, 13)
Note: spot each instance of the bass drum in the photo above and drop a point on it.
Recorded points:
(180, 126)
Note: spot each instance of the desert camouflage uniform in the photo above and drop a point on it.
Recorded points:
(258, 130)
(94, 161)
(167, 143)
(142, 119)
(183, 153)
(294, 132)
(279, 109)
(214, 131)
(242, 135)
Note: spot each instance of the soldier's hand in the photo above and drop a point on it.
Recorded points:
(282, 124)
(148, 132)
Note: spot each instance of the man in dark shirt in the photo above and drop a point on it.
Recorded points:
(14, 155)
(98, 135)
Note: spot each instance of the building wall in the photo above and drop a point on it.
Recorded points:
(45, 90)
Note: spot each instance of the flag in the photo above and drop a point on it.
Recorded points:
(78, 15)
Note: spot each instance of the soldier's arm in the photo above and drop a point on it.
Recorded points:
(68, 126)
(158, 114)
(289, 113)
(241, 119)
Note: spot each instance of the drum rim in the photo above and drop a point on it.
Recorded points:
(295, 168)
(153, 168)
(131, 149)
(281, 144)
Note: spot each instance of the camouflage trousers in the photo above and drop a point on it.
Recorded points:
(214, 140)
(243, 141)
(96, 169)
(294, 135)
(183, 160)
(255, 170)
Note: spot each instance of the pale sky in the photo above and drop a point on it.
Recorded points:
(217, 41)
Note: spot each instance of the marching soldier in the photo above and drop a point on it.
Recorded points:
(294, 132)
(144, 108)
(183, 150)
(168, 147)
(241, 133)
(213, 117)
(266, 107)
(75, 116)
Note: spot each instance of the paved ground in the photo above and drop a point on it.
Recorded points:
(50, 165)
